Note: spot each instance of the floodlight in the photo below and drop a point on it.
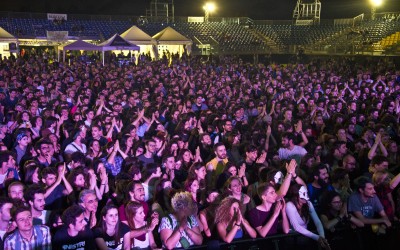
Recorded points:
(210, 7)
(376, 3)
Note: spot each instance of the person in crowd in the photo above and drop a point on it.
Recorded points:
(111, 233)
(289, 149)
(137, 219)
(266, 217)
(320, 183)
(6, 224)
(16, 191)
(207, 215)
(233, 188)
(337, 222)
(384, 187)
(341, 111)
(34, 196)
(135, 192)
(180, 228)
(230, 222)
(27, 235)
(74, 233)
(364, 204)
(300, 210)
(89, 202)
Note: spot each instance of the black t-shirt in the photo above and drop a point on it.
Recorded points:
(109, 240)
(84, 240)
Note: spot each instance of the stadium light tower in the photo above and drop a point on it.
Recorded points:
(375, 4)
(208, 8)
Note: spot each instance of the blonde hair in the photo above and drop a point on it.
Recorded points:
(183, 204)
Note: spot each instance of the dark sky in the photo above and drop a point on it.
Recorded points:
(256, 9)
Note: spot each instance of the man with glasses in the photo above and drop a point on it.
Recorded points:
(88, 201)
(43, 157)
(350, 165)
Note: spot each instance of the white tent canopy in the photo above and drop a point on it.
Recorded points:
(171, 40)
(171, 36)
(6, 36)
(138, 36)
(5, 41)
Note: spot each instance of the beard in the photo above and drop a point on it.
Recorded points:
(322, 183)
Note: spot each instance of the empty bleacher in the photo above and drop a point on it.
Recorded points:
(223, 36)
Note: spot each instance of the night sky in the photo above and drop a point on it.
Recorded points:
(256, 9)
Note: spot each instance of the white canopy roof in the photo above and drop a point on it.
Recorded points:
(171, 36)
(116, 42)
(6, 36)
(138, 36)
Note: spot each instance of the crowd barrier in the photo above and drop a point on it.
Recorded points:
(361, 239)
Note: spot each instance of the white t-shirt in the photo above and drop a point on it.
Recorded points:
(72, 147)
(285, 154)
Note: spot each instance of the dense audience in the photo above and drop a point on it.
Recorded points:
(192, 151)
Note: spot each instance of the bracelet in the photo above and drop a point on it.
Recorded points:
(237, 225)
(294, 176)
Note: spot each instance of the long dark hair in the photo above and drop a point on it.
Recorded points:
(104, 212)
(294, 197)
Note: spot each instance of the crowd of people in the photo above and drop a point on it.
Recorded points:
(194, 151)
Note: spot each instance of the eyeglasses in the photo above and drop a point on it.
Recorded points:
(337, 202)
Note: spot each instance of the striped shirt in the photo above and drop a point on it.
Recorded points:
(41, 240)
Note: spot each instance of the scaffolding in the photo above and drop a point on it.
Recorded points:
(307, 13)
(161, 10)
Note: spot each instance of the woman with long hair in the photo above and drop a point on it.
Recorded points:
(230, 222)
(94, 150)
(299, 210)
(192, 186)
(111, 233)
(186, 157)
(198, 171)
(162, 197)
(233, 188)
(32, 174)
(337, 222)
(37, 123)
(127, 143)
(137, 219)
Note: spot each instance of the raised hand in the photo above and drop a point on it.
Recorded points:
(291, 167)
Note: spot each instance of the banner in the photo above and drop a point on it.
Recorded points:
(57, 35)
(55, 16)
(195, 19)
